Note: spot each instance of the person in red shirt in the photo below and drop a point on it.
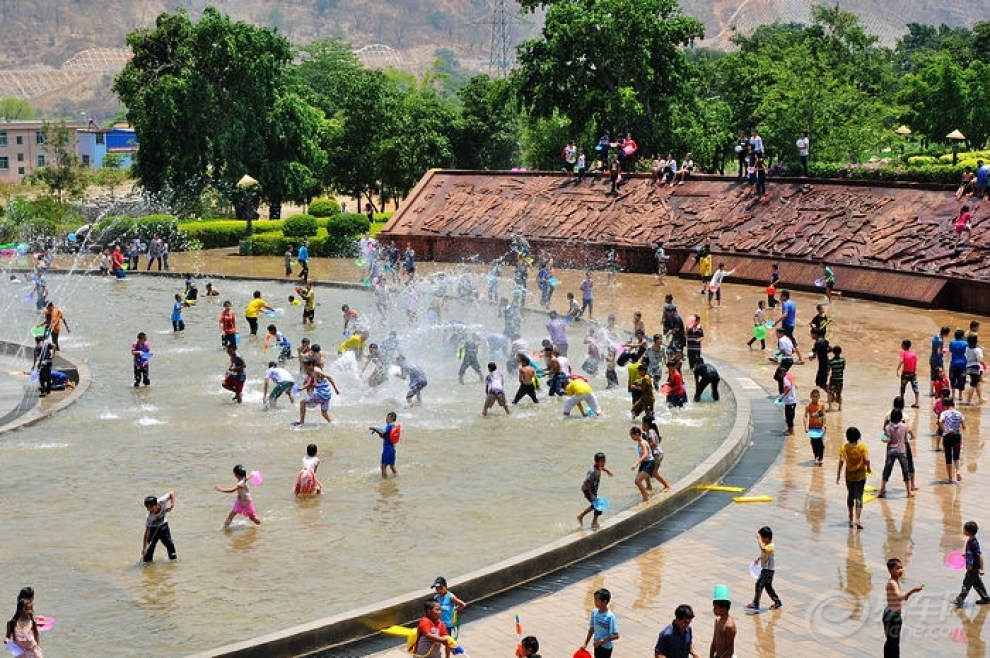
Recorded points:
(431, 634)
(117, 261)
(228, 326)
(907, 369)
(674, 388)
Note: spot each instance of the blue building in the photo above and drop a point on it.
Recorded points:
(94, 143)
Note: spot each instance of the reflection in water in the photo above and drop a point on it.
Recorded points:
(815, 505)
(857, 583)
(765, 629)
(650, 578)
(158, 586)
(898, 542)
(972, 627)
(950, 500)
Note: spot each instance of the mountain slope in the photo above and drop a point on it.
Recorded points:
(40, 36)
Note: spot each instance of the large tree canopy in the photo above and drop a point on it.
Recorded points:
(205, 100)
(614, 64)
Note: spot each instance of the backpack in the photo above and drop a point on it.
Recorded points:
(395, 434)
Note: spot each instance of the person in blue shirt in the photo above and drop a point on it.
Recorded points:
(388, 457)
(602, 626)
(974, 567)
(303, 257)
(450, 605)
(787, 320)
(282, 343)
(177, 322)
(676, 641)
(957, 363)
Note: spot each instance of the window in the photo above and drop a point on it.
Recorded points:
(4, 163)
(41, 161)
(39, 137)
(101, 138)
(19, 139)
(3, 138)
(20, 157)
(20, 171)
(85, 160)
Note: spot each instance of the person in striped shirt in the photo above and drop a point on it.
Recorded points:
(837, 370)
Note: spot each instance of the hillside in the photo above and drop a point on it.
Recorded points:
(62, 54)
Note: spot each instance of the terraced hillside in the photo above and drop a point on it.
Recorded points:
(42, 37)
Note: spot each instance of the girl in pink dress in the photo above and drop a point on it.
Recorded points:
(23, 630)
(243, 503)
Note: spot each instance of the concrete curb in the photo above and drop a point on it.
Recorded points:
(366, 621)
(35, 413)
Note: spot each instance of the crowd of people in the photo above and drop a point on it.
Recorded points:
(653, 361)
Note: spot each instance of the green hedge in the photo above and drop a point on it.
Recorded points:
(121, 230)
(936, 173)
(324, 207)
(383, 217)
(220, 233)
(213, 234)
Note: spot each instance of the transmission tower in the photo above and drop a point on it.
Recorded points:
(501, 55)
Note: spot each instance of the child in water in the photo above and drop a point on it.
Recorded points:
(306, 482)
(590, 488)
(243, 504)
(177, 323)
(390, 436)
(282, 343)
(22, 630)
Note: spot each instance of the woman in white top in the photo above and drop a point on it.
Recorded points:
(974, 368)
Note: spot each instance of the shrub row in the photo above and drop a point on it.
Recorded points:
(926, 173)
(336, 240)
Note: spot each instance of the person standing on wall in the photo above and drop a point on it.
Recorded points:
(803, 146)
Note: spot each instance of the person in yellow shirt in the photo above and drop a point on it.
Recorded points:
(855, 457)
(354, 343)
(705, 269)
(579, 393)
(254, 307)
(309, 297)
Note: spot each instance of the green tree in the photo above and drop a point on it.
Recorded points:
(830, 78)
(202, 98)
(110, 175)
(296, 159)
(16, 108)
(936, 95)
(608, 63)
(362, 104)
(977, 79)
(63, 173)
(419, 140)
(486, 131)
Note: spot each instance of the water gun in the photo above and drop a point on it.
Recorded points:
(519, 649)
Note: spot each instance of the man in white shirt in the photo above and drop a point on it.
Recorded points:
(803, 146)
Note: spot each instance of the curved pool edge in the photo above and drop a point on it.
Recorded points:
(366, 621)
(31, 411)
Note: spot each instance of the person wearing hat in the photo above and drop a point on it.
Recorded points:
(450, 605)
(724, 636)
